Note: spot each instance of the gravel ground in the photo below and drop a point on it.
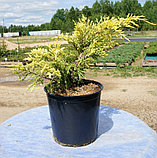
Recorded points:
(135, 95)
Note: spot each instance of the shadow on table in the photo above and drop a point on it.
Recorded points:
(105, 119)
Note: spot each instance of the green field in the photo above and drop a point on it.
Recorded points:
(152, 49)
(123, 54)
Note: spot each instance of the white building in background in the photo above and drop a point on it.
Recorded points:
(32, 33)
(11, 34)
(49, 32)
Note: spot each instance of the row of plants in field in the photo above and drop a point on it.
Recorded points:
(20, 54)
(14, 55)
(152, 49)
(3, 48)
(123, 54)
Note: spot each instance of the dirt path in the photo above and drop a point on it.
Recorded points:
(11, 46)
(135, 95)
(40, 44)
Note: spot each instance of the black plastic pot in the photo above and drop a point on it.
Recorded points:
(75, 118)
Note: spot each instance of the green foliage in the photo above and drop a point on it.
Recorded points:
(149, 11)
(64, 66)
(3, 48)
(108, 8)
(123, 54)
(15, 55)
(152, 49)
(96, 8)
(63, 18)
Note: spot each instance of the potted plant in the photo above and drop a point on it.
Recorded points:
(74, 101)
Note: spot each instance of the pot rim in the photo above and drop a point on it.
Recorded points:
(76, 96)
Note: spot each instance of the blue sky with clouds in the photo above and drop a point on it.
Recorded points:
(25, 12)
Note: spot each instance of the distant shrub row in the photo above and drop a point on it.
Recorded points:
(123, 54)
(152, 49)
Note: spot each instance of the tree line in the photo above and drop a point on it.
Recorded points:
(63, 18)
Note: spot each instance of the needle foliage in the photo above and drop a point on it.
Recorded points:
(65, 67)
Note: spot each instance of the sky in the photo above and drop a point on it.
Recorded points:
(36, 12)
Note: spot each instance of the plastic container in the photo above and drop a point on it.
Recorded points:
(75, 118)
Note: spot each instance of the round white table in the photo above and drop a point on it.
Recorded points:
(120, 135)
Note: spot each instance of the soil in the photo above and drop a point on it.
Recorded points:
(136, 95)
(11, 45)
(83, 90)
(80, 90)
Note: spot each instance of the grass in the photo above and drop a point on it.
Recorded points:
(128, 71)
(152, 92)
(124, 90)
(141, 34)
